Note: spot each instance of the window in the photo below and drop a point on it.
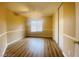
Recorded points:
(36, 25)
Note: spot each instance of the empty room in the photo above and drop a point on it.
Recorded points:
(39, 29)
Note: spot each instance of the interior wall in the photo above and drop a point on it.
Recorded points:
(47, 28)
(12, 27)
(67, 28)
(55, 26)
(77, 29)
(3, 29)
(77, 20)
(61, 19)
(69, 19)
(15, 26)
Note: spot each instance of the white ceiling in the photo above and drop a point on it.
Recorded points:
(26, 8)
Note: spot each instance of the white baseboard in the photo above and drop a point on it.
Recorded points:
(15, 41)
(4, 51)
(1, 34)
(9, 44)
(65, 55)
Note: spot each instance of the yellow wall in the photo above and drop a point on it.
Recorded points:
(77, 20)
(77, 29)
(3, 29)
(61, 19)
(67, 28)
(69, 19)
(15, 26)
(55, 26)
(11, 27)
(47, 28)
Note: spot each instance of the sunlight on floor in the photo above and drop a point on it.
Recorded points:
(36, 45)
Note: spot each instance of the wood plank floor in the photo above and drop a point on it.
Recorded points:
(33, 47)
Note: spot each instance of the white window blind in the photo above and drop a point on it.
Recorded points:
(36, 25)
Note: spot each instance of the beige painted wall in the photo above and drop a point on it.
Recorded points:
(61, 19)
(77, 29)
(15, 26)
(69, 19)
(47, 28)
(77, 20)
(67, 28)
(55, 26)
(11, 27)
(3, 29)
